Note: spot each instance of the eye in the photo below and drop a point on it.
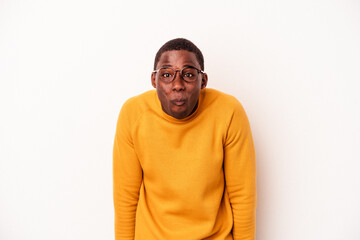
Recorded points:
(188, 75)
(166, 75)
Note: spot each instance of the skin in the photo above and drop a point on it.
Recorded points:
(179, 98)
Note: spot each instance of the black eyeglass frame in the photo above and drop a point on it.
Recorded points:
(179, 70)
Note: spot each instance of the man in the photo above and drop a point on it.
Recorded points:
(184, 159)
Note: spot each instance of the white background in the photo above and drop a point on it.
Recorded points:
(67, 66)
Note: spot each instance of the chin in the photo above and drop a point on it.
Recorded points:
(179, 115)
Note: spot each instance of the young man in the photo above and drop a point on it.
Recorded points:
(184, 159)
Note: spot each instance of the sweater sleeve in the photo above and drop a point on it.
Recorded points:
(127, 178)
(240, 174)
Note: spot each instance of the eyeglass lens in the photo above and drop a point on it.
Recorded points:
(168, 74)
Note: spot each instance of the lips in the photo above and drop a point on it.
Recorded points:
(178, 102)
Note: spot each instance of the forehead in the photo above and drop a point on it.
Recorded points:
(178, 58)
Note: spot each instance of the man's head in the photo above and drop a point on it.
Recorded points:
(180, 44)
(178, 77)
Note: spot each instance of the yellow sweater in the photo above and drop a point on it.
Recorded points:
(193, 178)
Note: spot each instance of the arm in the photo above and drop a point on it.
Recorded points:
(240, 175)
(127, 178)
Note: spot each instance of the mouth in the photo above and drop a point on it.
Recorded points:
(178, 102)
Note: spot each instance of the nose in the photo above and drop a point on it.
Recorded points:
(178, 82)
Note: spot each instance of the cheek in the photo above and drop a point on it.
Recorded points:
(162, 94)
(194, 96)
(194, 89)
(163, 88)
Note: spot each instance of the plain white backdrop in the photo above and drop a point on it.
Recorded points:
(67, 66)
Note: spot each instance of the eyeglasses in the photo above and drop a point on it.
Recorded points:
(167, 74)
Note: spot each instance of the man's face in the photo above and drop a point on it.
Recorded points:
(178, 98)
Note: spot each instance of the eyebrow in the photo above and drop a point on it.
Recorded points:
(165, 66)
(189, 66)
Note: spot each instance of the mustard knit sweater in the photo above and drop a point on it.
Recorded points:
(193, 178)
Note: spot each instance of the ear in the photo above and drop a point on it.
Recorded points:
(204, 80)
(153, 80)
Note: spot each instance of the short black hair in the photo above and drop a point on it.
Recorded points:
(180, 44)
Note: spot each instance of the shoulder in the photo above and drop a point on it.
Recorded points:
(222, 101)
(141, 101)
(214, 93)
(135, 106)
(229, 111)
